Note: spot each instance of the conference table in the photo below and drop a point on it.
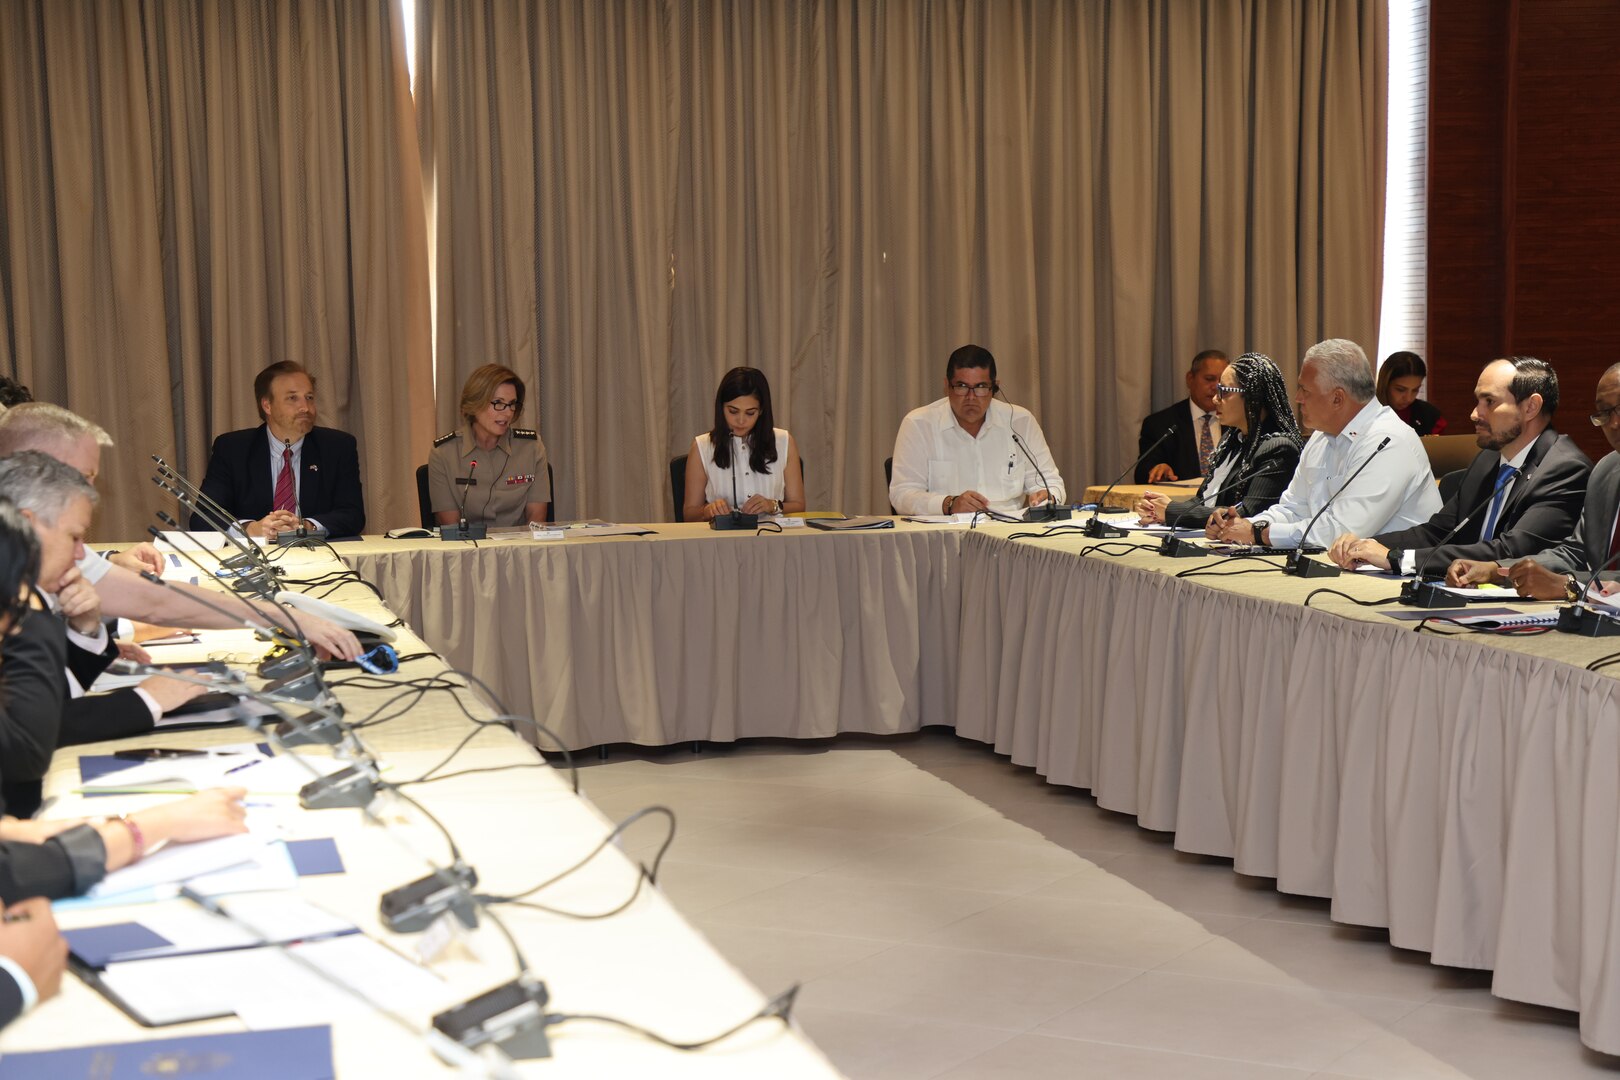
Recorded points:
(1460, 788)
(518, 822)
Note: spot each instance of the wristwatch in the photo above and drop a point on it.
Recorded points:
(1396, 555)
(1572, 589)
(1261, 530)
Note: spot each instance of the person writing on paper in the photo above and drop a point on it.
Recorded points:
(54, 859)
(745, 458)
(124, 593)
(490, 470)
(967, 452)
(287, 473)
(1527, 482)
(1394, 491)
(1257, 453)
(1560, 570)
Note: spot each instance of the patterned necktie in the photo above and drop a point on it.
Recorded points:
(1206, 445)
(286, 491)
(1503, 478)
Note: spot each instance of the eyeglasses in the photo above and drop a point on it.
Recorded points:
(1226, 391)
(503, 406)
(962, 389)
(1603, 416)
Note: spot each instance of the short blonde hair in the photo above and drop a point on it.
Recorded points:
(38, 425)
(481, 386)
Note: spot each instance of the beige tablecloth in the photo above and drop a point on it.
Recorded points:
(690, 634)
(1460, 791)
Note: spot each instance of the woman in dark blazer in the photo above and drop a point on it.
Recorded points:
(1259, 447)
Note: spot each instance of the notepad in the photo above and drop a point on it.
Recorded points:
(851, 524)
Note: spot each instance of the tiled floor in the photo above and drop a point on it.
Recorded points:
(952, 915)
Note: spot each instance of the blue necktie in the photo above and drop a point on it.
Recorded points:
(1503, 478)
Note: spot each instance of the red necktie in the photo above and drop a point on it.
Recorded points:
(286, 491)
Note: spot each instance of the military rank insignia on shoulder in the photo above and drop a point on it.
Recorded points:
(442, 439)
(525, 433)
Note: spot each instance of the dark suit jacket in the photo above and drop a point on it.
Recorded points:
(1588, 546)
(33, 686)
(1180, 451)
(96, 717)
(1257, 484)
(329, 491)
(1540, 509)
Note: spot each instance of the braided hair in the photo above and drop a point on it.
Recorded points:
(1265, 405)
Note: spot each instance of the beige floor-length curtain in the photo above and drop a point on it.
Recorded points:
(190, 191)
(630, 197)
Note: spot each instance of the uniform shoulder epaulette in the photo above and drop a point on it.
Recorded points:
(525, 433)
(442, 439)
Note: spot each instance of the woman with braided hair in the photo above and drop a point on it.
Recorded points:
(1259, 447)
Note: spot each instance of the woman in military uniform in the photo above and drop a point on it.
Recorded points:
(492, 469)
(745, 458)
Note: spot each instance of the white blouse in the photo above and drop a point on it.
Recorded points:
(772, 485)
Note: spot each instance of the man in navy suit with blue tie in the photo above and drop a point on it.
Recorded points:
(286, 473)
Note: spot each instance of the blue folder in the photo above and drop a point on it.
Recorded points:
(302, 1053)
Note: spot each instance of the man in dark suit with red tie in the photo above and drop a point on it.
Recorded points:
(1185, 454)
(286, 473)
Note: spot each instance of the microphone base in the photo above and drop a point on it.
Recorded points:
(1177, 547)
(1298, 565)
(1586, 622)
(354, 786)
(734, 520)
(414, 907)
(470, 530)
(1048, 512)
(1427, 594)
(304, 686)
(1101, 530)
(298, 536)
(312, 729)
(511, 1016)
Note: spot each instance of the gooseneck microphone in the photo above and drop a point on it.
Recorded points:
(1580, 618)
(1424, 592)
(1296, 563)
(1099, 530)
(1176, 547)
(464, 530)
(1048, 510)
(736, 519)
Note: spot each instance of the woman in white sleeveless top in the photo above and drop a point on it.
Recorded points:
(746, 459)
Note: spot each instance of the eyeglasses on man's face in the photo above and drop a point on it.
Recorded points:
(1603, 416)
(962, 389)
(502, 406)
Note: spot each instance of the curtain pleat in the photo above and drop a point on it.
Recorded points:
(193, 191)
(643, 194)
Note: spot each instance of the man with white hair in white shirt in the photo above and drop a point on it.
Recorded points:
(1396, 490)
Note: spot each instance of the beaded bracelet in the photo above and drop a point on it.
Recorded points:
(136, 837)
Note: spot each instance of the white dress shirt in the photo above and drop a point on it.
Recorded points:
(276, 447)
(935, 459)
(738, 483)
(1396, 491)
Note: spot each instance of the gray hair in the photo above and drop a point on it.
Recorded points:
(40, 484)
(1340, 362)
(36, 425)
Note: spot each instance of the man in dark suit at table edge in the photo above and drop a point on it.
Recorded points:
(1557, 571)
(245, 471)
(1526, 484)
(1179, 458)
